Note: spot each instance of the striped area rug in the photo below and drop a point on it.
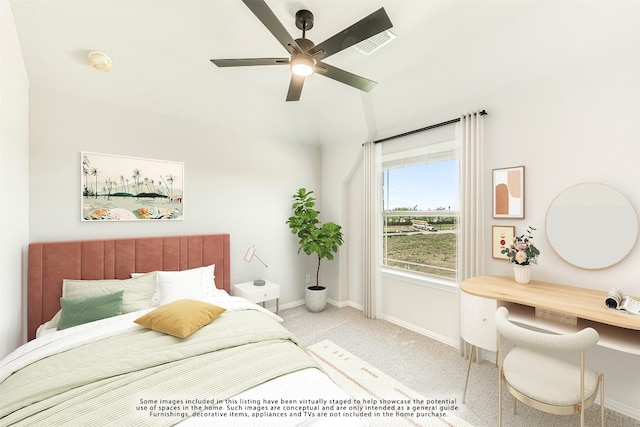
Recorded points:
(383, 399)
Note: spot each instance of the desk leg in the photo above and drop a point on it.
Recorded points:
(466, 383)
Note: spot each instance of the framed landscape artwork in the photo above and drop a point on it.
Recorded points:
(502, 238)
(120, 188)
(508, 192)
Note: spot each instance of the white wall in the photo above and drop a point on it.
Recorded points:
(580, 128)
(336, 181)
(573, 123)
(583, 129)
(236, 182)
(561, 85)
(14, 179)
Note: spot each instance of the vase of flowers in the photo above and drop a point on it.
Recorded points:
(522, 253)
(522, 273)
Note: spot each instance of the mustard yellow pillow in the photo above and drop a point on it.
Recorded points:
(180, 318)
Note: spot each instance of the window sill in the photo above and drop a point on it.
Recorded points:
(421, 280)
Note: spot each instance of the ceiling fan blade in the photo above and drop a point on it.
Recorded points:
(367, 27)
(269, 20)
(295, 87)
(249, 62)
(345, 77)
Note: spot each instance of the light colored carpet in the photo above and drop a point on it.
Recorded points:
(433, 369)
(383, 400)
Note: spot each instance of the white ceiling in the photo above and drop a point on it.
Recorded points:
(161, 49)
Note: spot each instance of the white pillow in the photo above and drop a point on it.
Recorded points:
(175, 285)
(206, 280)
(209, 280)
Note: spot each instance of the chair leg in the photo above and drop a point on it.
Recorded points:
(601, 400)
(499, 363)
(582, 388)
(464, 394)
(499, 396)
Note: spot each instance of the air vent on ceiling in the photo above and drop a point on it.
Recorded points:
(374, 43)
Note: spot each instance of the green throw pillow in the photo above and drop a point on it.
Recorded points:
(137, 291)
(76, 311)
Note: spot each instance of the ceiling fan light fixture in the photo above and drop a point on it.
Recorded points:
(305, 57)
(302, 65)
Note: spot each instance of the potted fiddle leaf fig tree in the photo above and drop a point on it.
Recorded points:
(316, 238)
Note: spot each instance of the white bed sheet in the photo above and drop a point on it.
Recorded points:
(52, 341)
(308, 383)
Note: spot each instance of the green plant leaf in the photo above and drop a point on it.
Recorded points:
(313, 236)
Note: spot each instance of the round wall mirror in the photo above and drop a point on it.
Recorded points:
(592, 225)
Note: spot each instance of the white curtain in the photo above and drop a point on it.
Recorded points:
(471, 244)
(372, 230)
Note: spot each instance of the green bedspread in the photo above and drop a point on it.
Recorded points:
(105, 382)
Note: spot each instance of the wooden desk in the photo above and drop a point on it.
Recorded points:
(558, 308)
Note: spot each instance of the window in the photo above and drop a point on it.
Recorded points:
(420, 210)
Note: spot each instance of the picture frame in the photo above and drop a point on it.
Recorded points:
(123, 188)
(502, 237)
(508, 193)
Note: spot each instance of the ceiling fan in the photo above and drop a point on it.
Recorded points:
(305, 56)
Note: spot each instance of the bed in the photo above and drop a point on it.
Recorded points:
(144, 331)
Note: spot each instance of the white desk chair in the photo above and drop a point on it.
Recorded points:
(542, 381)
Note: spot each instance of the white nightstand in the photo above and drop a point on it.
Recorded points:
(258, 293)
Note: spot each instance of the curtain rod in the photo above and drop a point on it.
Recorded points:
(437, 125)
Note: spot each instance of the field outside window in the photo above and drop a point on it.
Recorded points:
(420, 218)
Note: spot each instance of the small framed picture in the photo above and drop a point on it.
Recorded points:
(502, 238)
(508, 192)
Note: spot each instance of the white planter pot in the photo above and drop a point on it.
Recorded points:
(522, 273)
(315, 298)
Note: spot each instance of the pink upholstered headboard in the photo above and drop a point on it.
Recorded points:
(51, 262)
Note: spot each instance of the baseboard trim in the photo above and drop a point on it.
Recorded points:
(618, 407)
(271, 305)
(341, 304)
(422, 331)
(291, 304)
(399, 322)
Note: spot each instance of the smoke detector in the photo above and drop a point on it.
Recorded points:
(100, 61)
